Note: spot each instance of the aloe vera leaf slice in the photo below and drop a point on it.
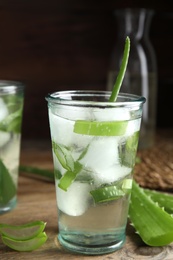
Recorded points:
(152, 223)
(164, 199)
(22, 232)
(106, 128)
(27, 245)
(69, 177)
(127, 185)
(128, 154)
(122, 71)
(105, 194)
(64, 156)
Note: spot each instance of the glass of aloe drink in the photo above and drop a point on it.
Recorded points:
(94, 144)
(11, 109)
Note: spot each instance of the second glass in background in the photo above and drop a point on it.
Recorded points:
(141, 74)
(11, 110)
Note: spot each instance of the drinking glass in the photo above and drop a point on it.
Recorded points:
(11, 110)
(94, 144)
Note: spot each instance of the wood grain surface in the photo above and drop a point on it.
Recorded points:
(36, 201)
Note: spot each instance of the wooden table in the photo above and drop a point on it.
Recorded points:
(36, 201)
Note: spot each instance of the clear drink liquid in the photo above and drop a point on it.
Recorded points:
(100, 224)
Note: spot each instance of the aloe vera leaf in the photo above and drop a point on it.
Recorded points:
(69, 177)
(47, 174)
(152, 223)
(128, 154)
(7, 186)
(64, 156)
(107, 193)
(111, 192)
(71, 173)
(22, 232)
(122, 71)
(26, 245)
(164, 199)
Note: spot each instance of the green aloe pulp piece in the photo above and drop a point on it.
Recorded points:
(69, 177)
(7, 186)
(64, 156)
(114, 128)
(27, 245)
(106, 194)
(164, 200)
(122, 71)
(22, 232)
(152, 223)
(132, 141)
(127, 185)
(73, 167)
(127, 152)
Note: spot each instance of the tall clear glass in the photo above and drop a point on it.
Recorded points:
(94, 145)
(11, 110)
(141, 73)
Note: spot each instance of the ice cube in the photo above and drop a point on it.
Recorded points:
(4, 138)
(60, 129)
(76, 200)
(111, 114)
(62, 133)
(3, 109)
(74, 113)
(10, 156)
(102, 153)
(102, 159)
(133, 126)
(11, 153)
(111, 174)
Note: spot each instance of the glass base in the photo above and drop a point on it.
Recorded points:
(92, 249)
(9, 206)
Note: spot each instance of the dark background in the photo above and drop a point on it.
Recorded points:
(66, 44)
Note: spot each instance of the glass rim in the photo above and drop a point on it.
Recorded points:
(63, 98)
(10, 86)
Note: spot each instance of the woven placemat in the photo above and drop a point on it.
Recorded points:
(155, 169)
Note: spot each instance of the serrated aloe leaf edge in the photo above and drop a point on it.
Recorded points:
(163, 199)
(152, 223)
